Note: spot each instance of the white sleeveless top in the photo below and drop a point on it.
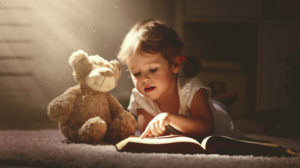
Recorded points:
(186, 90)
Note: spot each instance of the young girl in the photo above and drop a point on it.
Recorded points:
(161, 97)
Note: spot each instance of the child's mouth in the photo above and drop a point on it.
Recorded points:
(149, 89)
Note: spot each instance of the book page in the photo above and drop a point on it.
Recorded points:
(163, 139)
(161, 144)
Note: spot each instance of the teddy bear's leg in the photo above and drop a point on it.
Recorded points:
(92, 131)
(122, 127)
(69, 132)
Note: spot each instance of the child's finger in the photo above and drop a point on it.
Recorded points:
(158, 128)
(162, 126)
(154, 130)
(144, 135)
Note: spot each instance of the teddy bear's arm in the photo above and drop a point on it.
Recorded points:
(114, 105)
(59, 109)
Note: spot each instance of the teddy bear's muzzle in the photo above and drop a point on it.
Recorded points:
(101, 79)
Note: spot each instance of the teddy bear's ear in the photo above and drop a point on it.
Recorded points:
(78, 57)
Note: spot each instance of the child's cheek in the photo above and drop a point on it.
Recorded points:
(134, 80)
(137, 85)
(161, 77)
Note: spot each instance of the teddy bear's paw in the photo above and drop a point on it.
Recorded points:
(93, 131)
(123, 126)
(58, 111)
(128, 126)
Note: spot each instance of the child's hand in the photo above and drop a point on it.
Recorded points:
(156, 126)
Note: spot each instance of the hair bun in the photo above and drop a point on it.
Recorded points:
(191, 66)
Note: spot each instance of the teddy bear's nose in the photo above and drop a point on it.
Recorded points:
(106, 72)
(103, 72)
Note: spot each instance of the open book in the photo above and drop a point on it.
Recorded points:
(211, 144)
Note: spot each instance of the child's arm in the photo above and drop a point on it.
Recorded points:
(143, 118)
(200, 124)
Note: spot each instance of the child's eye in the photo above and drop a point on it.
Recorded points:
(137, 74)
(153, 70)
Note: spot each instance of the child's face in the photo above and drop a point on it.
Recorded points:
(152, 74)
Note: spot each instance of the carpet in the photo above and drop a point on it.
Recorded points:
(45, 148)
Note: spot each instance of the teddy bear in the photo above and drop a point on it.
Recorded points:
(87, 112)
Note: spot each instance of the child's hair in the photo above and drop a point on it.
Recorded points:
(153, 36)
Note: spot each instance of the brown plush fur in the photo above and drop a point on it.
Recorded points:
(88, 115)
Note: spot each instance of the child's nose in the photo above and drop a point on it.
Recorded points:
(146, 78)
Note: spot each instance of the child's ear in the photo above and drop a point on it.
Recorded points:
(175, 68)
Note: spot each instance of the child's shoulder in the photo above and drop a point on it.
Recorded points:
(187, 87)
(187, 83)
